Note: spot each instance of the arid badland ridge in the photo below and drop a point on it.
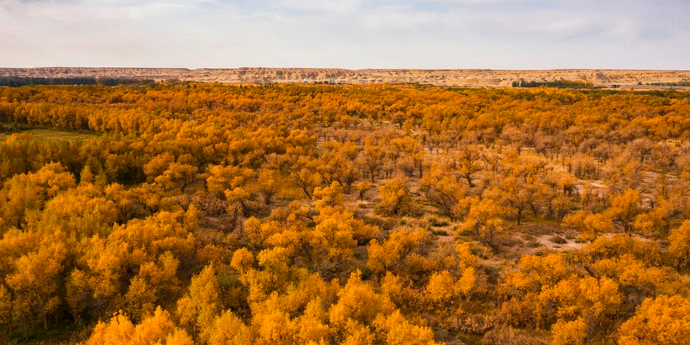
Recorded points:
(450, 77)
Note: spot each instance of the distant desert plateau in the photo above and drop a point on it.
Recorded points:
(451, 77)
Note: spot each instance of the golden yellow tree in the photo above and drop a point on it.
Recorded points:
(663, 320)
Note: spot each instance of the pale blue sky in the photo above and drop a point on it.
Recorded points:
(497, 34)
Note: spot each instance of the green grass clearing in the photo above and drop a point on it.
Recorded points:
(52, 134)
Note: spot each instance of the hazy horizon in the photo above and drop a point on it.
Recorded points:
(355, 34)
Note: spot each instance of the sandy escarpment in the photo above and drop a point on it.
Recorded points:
(450, 77)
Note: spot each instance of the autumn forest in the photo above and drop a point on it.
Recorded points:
(319, 214)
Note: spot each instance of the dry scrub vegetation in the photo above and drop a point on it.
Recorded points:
(211, 214)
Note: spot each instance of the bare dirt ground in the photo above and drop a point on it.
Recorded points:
(627, 79)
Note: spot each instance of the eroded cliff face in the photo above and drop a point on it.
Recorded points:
(455, 77)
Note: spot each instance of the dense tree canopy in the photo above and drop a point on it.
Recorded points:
(301, 214)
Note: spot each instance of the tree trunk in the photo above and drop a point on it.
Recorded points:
(468, 177)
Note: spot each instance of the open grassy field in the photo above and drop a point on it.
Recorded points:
(52, 134)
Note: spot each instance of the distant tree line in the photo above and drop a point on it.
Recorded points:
(556, 83)
(16, 81)
(680, 83)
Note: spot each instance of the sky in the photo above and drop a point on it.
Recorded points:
(353, 34)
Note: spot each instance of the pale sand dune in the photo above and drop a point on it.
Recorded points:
(456, 77)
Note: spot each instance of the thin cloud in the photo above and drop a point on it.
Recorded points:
(347, 33)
